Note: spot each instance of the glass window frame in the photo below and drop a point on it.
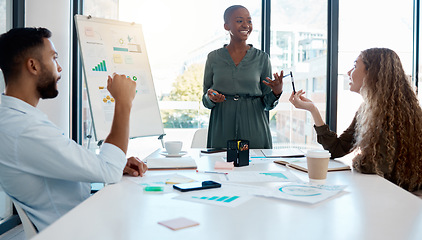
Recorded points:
(16, 18)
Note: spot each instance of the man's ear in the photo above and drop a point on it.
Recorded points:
(33, 66)
(226, 27)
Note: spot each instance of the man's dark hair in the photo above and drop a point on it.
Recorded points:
(15, 47)
(229, 11)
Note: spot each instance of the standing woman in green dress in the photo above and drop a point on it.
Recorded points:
(237, 87)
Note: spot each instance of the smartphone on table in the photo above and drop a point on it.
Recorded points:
(185, 187)
(213, 150)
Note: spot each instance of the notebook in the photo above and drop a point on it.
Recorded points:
(283, 153)
(156, 161)
(333, 165)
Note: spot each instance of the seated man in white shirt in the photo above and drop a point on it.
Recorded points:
(46, 173)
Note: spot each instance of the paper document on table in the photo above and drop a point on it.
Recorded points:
(261, 160)
(166, 181)
(284, 152)
(307, 193)
(254, 152)
(217, 154)
(260, 176)
(227, 196)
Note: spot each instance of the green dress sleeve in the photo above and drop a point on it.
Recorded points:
(208, 76)
(269, 99)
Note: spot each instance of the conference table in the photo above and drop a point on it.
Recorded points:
(370, 207)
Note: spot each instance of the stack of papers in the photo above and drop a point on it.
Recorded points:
(159, 162)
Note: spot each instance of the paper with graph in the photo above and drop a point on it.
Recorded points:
(303, 192)
(227, 196)
(260, 176)
(109, 46)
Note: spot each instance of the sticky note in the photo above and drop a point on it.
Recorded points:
(224, 165)
(153, 189)
(179, 179)
(178, 223)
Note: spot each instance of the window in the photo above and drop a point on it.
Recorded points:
(298, 44)
(178, 35)
(360, 28)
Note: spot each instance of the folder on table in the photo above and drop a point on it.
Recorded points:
(333, 165)
(283, 153)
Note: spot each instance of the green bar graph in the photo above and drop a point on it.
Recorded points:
(101, 67)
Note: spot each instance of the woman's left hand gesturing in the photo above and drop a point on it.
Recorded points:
(277, 84)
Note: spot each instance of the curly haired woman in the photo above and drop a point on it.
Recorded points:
(387, 129)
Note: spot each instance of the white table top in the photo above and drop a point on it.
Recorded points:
(370, 208)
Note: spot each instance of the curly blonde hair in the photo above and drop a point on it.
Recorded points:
(389, 122)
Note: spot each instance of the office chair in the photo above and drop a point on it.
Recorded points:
(28, 226)
(200, 138)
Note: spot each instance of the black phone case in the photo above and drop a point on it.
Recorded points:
(213, 150)
(205, 185)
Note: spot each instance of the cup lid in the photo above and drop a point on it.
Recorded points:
(318, 153)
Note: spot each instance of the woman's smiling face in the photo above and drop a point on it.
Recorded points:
(239, 24)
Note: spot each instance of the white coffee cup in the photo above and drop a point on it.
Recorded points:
(317, 161)
(173, 147)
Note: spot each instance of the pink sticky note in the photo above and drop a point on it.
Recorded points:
(224, 165)
(179, 223)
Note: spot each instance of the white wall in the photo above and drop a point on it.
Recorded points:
(55, 16)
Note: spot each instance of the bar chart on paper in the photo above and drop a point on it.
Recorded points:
(101, 67)
(225, 199)
(220, 199)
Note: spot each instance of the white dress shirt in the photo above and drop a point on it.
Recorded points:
(45, 172)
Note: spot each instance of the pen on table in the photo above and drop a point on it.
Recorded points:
(210, 172)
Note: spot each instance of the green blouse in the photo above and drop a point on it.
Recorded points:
(241, 117)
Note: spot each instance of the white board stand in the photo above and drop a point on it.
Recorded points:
(109, 46)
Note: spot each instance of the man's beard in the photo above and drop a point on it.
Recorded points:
(47, 85)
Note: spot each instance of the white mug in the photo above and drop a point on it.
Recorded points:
(173, 147)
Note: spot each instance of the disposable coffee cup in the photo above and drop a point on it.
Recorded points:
(173, 147)
(317, 161)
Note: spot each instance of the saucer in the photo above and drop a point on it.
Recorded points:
(181, 153)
